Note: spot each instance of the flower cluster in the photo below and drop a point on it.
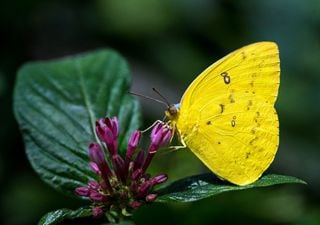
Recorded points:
(123, 183)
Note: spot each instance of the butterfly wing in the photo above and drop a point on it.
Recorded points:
(227, 115)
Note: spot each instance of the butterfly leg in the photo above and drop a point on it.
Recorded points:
(152, 125)
(177, 147)
(171, 149)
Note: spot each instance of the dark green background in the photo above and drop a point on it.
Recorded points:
(167, 44)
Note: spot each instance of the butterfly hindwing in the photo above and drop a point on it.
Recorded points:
(227, 116)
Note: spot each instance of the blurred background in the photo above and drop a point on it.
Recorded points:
(167, 44)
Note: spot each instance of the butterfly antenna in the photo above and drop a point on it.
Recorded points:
(163, 98)
(150, 98)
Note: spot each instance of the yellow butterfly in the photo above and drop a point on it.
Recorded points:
(227, 118)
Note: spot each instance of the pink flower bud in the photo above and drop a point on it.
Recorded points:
(160, 135)
(115, 126)
(96, 154)
(95, 168)
(144, 188)
(97, 211)
(138, 160)
(135, 204)
(159, 179)
(136, 174)
(111, 123)
(104, 132)
(157, 138)
(82, 191)
(132, 144)
(148, 159)
(134, 139)
(155, 129)
(108, 130)
(98, 197)
(167, 134)
(94, 185)
(120, 168)
(151, 197)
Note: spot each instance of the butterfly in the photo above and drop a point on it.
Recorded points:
(227, 117)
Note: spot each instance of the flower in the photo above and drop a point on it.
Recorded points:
(123, 184)
(160, 135)
(107, 130)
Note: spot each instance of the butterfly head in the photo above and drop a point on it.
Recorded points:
(172, 111)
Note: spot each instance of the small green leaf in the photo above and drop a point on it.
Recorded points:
(202, 186)
(56, 217)
(56, 104)
(59, 215)
(124, 222)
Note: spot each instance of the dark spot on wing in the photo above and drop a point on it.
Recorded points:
(226, 77)
(227, 80)
(253, 140)
(231, 99)
(244, 56)
(224, 74)
(249, 104)
(222, 108)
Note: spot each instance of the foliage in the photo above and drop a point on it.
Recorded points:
(202, 186)
(56, 104)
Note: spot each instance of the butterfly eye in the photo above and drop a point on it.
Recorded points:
(172, 110)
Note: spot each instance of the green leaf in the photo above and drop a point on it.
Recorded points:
(56, 104)
(202, 186)
(59, 215)
(56, 217)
